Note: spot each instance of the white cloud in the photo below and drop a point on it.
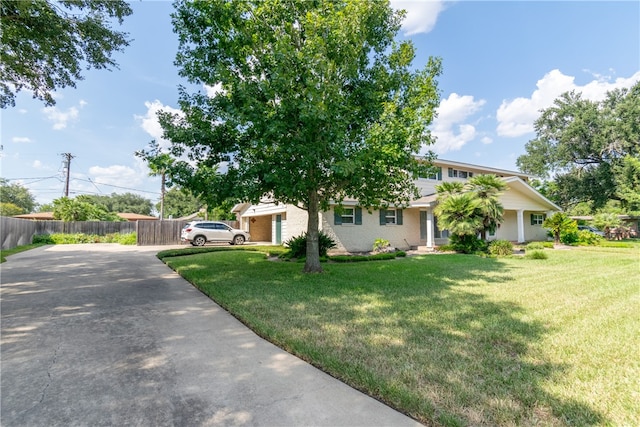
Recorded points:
(22, 111)
(421, 14)
(516, 117)
(486, 140)
(60, 118)
(37, 164)
(122, 176)
(213, 90)
(83, 103)
(21, 140)
(449, 127)
(149, 122)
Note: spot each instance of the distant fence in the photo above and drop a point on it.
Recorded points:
(16, 231)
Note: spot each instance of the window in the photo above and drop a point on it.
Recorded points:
(439, 234)
(436, 175)
(537, 219)
(390, 216)
(347, 216)
(455, 173)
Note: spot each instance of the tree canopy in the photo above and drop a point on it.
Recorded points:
(44, 43)
(17, 196)
(591, 149)
(119, 203)
(314, 102)
(66, 209)
(179, 202)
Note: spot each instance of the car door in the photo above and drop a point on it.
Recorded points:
(223, 233)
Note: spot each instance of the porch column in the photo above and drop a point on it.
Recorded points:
(429, 228)
(520, 217)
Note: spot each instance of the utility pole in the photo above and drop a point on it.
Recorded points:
(67, 157)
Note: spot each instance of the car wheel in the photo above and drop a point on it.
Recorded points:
(238, 240)
(199, 240)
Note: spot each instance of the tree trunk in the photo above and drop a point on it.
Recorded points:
(162, 191)
(312, 263)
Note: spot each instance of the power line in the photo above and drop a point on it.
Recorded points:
(116, 186)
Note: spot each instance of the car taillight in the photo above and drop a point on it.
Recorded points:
(187, 230)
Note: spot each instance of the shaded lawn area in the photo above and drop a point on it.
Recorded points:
(454, 339)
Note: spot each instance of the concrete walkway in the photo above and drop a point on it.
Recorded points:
(107, 335)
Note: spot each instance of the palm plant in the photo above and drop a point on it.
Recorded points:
(557, 223)
(487, 190)
(458, 214)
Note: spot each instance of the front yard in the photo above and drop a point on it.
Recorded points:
(454, 339)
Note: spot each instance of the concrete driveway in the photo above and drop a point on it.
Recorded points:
(105, 334)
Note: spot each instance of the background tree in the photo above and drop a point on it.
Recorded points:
(10, 209)
(119, 203)
(584, 144)
(179, 202)
(46, 43)
(16, 195)
(316, 103)
(66, 209)
(159, 165)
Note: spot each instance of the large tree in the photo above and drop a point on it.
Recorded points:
(179, 202)
(314, 102)
(582, 144)
(45, 44)
(18, 196)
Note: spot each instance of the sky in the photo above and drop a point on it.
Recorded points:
(503, 62)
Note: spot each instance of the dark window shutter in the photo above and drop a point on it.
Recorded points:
(399, 216)
(383, 219)
(450, 173)
(337, 218)
(532, 220)
(358, 218)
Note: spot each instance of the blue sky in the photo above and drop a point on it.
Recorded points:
(503, 62)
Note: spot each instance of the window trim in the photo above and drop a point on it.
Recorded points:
(537, 218)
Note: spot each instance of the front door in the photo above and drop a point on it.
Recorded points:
(423, 225)
(278, 229)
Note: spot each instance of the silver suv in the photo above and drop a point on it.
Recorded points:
(200, 232)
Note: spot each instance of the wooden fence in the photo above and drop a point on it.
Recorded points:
(16, 232)
(164, 232)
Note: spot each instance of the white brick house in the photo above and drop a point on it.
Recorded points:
(355, 229)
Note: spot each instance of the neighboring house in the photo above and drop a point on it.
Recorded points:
(48, 216)
(355, 229)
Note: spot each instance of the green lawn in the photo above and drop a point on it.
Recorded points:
(454, 339)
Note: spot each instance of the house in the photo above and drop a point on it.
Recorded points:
(355, 229)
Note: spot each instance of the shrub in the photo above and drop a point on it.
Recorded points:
(298, 245)
(588, 238)
(534, 246)
(537, 255)
(361, 258)
(467, 244)
(380, 244)
(69, 239)
(501, 247)
(43, 239)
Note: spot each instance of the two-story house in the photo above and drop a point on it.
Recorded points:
(355, 229)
